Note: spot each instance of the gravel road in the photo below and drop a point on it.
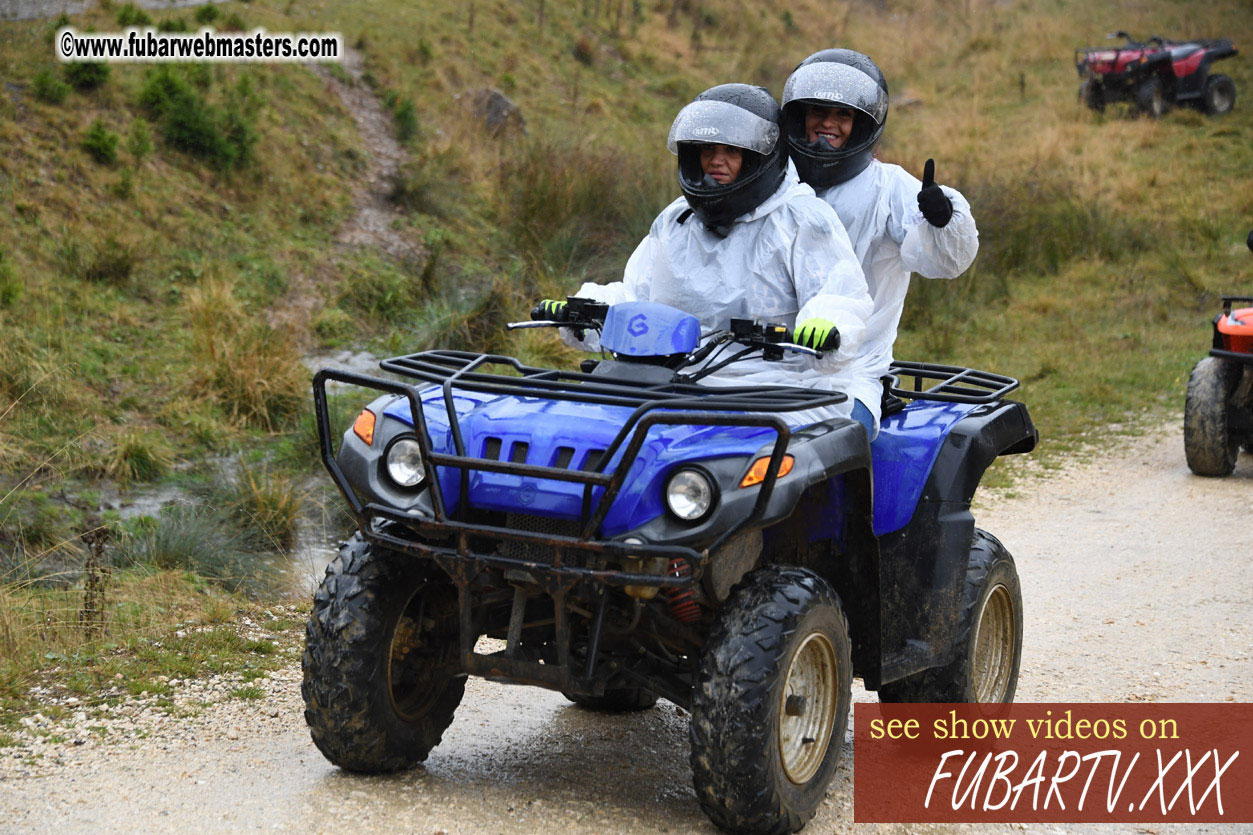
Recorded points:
(1133, 589)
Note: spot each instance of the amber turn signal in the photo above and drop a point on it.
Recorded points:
(364, 427)
(757, 472)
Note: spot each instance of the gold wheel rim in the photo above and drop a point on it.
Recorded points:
(413, 697)
(993, 661)
(807, 708)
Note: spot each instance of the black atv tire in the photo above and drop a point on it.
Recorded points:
(621, 700)
(1219, 96)
(782, 630)
(1151, 98)
(365, 712)
(1207, 443)
(986, 667)
(1092, 95)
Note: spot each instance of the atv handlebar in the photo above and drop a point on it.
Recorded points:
(582, 314)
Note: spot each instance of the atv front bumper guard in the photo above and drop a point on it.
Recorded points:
(586, 556)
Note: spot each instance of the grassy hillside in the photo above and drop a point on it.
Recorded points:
(168, 238)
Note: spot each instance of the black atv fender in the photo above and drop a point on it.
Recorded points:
(923, 565)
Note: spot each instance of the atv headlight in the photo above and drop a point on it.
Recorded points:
(690, 495)
(404, 462)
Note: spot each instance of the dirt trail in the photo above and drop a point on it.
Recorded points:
(376, 222)
(1132, 591)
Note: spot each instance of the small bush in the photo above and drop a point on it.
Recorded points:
(225, 136)
(584, 51)
(251, 370)
(565, 211)
(265, 507)
(138, 455)
(172, 24)
(406, 118)
(207, 14)
(124, 188)
(86, 75)
(110, 262)
(233, 23)
(30, 374)
(101, 143)
(139, 141)
(49, 88)
(195, 538)
(131, 15)
(422, 186)
(10, 286)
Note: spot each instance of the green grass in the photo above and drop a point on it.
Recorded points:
(250, 693)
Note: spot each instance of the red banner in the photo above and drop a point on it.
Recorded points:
(1054, 763)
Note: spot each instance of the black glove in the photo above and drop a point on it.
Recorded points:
(1250, 240)
(550, 309)
(934, 203)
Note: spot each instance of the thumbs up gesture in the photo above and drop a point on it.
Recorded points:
(934, 203)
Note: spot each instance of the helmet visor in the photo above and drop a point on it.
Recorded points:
(827, 81)
(722, 123)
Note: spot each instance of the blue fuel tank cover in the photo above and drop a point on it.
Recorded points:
(649, 329)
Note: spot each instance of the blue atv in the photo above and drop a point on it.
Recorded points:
(624, 533)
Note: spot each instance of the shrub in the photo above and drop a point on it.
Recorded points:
(29, 373)
(584, 51)
(139, 142)
(110, 262)
(49, 88)
(86, 75)
(101, 143)
(124, 188)
(422, 186)
(406, 118)
(172, 24)
(207, 14)
(137, 455)
(224, 136)
(131, 15)
(265, 507)
(10, 287)
(195, 538)
(251, 370)
(566, 211)
(233, 23)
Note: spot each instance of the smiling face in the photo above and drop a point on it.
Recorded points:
(833, 124)
(722, 162)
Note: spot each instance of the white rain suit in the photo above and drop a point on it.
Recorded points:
(786, 261)
(879, 210)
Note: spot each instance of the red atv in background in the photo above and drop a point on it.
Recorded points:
(1218, 409)
(1156, 74)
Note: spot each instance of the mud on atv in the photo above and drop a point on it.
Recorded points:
(625, 534)
(1156, 75)
(1218, 408)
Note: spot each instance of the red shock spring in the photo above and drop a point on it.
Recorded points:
(683, 606)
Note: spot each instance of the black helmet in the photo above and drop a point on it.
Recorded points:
(834, 78)
(741, 115)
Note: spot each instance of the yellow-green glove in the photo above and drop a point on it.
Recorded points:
(550, 309)
(817, 334)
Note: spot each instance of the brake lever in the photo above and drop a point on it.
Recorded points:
(799, 349)
(534, 323)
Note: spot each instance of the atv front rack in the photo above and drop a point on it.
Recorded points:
(949, 383)
(652, 405)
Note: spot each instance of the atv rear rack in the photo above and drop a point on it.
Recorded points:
(952, 383)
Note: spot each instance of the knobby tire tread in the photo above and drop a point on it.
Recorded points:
(745, 652)
(347, 703)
